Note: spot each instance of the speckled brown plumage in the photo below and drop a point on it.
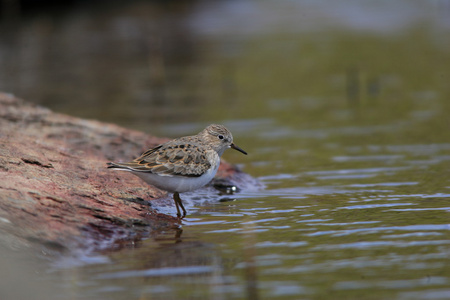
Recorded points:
(183, 156)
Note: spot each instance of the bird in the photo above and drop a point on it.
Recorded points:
(183, 164)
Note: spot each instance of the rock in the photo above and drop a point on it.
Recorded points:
(54, 186)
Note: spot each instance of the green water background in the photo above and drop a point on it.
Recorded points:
(343, 108)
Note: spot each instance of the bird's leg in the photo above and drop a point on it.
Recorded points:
(178, 204)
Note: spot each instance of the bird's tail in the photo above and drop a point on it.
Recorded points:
(129, 166)
(117, 166)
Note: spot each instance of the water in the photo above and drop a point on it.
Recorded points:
(343, 109)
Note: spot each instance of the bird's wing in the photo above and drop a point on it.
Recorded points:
(170, 159)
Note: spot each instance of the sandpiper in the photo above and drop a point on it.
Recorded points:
(183, 164)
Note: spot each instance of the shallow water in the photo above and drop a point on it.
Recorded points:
(343, 110)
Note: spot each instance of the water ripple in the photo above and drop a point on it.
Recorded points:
(392, 284)
(269, 244)
(375, 205)
(171, 271)
(379, 229)
(364, 245)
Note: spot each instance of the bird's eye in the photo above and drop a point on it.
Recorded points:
(220, 137)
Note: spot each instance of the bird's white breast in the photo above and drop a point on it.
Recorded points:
(179, 183)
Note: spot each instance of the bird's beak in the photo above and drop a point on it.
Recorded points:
(238, 149)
